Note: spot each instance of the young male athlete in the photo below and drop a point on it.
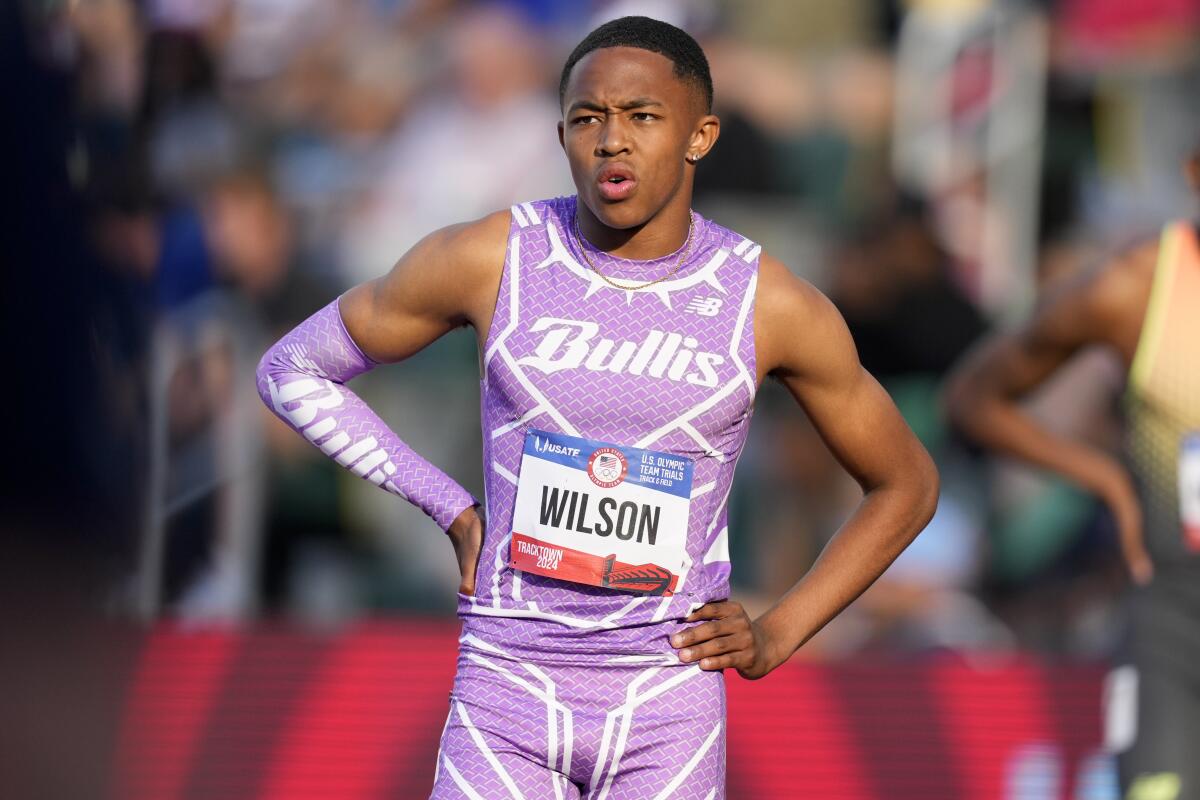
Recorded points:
(622, 339)
(1145, 306)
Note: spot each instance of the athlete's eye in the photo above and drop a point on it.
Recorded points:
(584, 119)
(644, 116)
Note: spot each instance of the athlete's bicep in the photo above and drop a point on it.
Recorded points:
(812, 353)
(442, 283)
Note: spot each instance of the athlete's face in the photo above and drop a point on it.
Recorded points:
(631, 129)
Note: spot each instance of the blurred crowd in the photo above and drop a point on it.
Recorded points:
(929, 165)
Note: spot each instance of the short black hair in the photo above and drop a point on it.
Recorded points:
(654, 35)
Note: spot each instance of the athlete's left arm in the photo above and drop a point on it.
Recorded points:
(802, 340)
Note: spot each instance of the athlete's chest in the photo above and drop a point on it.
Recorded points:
(599, 360)
(622, 367)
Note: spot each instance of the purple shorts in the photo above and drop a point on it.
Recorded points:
(629, 728)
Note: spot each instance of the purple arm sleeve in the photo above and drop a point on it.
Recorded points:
(302, 379)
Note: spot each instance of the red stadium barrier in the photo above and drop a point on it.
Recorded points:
(284, 713)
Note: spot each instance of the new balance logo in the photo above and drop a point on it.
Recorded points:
(567, 344)
(301, 361)
(705, 306)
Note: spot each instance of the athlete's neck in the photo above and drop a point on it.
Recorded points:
(659, 236)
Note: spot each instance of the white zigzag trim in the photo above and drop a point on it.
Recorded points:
(514, 282)
(437, 764)
(719, 549)
(633, 700)
(560, 255)
(530, 414)
(689, 766)
(498, 569)
(691, 413)
(630, 695)
(665, 659)
(460, 781)
(739, 327)
(546, 695)
(699, 439)
(533, 612)
(503, 472)
(519, 374)
(661, 611)
(505, 778)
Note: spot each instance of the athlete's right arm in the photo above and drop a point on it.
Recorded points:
(447, 280)
(984, 392)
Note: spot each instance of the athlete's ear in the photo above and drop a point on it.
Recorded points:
(561, 142)
(704, 136)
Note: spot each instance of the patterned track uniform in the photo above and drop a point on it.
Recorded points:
(1154, 700)
(568, 690)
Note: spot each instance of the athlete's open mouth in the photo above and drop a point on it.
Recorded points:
(616, 181)
(615, 173)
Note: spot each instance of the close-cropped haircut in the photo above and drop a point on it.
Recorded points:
(647, 34)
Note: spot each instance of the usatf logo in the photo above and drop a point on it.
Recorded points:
(607, 467)
(541, 445)
(705, 306)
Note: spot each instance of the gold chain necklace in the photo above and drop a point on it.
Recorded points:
(687, 251)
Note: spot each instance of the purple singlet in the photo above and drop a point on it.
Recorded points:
(612, 421)
(668, 369)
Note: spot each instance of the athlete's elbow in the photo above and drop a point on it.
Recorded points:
(920, 488)
(912, 494)
(926, 492)
(266, 375)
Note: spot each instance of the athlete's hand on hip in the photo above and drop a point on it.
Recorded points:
(466, 533)
(727, 639)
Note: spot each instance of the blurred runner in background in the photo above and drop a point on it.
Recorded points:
(1145, 305)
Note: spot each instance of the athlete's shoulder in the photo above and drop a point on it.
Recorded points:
(474, 243)
(782, 293)
(1102, 300)
(536, 213)
(725, 238)
(1131, 264)
(793, 320)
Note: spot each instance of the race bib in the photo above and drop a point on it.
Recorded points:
(601, 514)
(1189, 490)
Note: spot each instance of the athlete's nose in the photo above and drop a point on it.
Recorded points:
(613, 138)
